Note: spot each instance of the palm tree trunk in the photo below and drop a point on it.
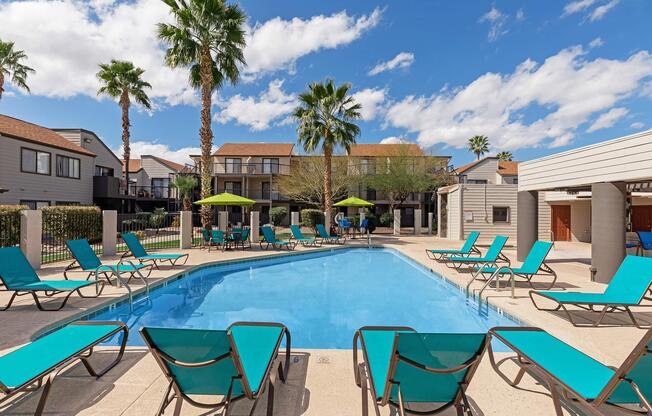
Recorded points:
(205, 133)
(2, 83)
(328, 191)
(124, 105)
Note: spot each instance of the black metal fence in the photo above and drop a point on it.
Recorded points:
(155, 230)
(9, 227)
(61, 224)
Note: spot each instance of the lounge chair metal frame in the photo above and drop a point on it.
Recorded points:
(363, 378)
(173, 262)
(49, 294)
(277, 244)
(442, 255)
(306, 241)
(330, 239)
(174, 392)
(45, 378)
(620, 376)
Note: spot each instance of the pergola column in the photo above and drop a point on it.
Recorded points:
(607, 229)
(527, 207)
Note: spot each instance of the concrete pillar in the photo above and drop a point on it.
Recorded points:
(397, 222)
(417, 222)
(254, 221)
(31, 228)
(223, 220)
(439, 216)
(109, 232)
(327, 221)
(527, 227)
(294, 218)
(185, 237)
(363, 214)
(607, 229)
(430, 218)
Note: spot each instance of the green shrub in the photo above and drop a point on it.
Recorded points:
(10, 225)
(157, 218)
(72, 222)
(277, 214)
(387, 219)
(311, 217)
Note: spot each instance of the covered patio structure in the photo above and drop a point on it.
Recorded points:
(611, 171)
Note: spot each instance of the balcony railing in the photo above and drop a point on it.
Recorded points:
(154, 192)
(256, 194)
(250, 169)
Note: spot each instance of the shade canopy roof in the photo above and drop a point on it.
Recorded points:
(354, 202)
(226, 199)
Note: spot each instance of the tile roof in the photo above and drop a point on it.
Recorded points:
(137, 164)
(134, 165)
(505, 168)
(22, 130)
(387, 149)
(255, 149)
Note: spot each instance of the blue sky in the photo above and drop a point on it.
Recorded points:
(536, 77)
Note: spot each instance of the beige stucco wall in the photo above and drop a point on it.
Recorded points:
(104, 156)
(479, 201)
(485, 170)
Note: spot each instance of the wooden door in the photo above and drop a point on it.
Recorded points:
(642, 218)
(561, 222)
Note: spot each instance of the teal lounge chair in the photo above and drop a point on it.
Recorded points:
(327, 238)
(139, 252)
(493, 256)
(403, 367)
(37, 364)
(243, 240)
(271, 241)
(629, 287)
(19, 277)
(218, 240)
(306, 241)
(235, 363)
(87, 261)
(468, 248)
(578, 376)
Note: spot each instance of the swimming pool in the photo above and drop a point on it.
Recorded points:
(322, 297)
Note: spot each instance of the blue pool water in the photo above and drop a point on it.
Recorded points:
(321, 297)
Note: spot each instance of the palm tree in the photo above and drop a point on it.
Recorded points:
(10, 66)
(325, 116)
(505, 156)
(185, 184)
(207, 36)
(478, 145)
(122, 80)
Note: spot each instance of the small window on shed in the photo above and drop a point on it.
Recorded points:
(501, 214)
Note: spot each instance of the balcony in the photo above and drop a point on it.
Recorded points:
(238, 169)
(256, 194)
(112, 187)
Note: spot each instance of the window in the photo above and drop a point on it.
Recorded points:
(266, 190)
(234, 188)
(35, 204)
(67, 167)
(67, 203)
(371, 194)
(477, 181)
(103, 171)
(233, 165)
(160, 187)
(33, 161)
(501, 214)
(270, 165)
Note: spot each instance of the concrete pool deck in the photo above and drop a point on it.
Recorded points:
(320, 381)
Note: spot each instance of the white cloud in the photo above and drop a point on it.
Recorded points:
(585, 5)
(271, 107)
(144, 147)
(608, 119)
(520, 15)
(599, 12)
(637, 125)
(497, 21)
(577, 6)
(277, 43)
(372, 100)
(402, 60)
(394, 140)
(596, 43)
(535, 104)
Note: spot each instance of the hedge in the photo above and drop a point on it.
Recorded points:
(311, 217)
(277, 214)
(10, 225)
(72, 222)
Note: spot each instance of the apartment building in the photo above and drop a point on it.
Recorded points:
(150, 179)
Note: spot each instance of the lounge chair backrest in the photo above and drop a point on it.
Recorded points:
(364, 223)
(15, 270)
(134, 245)
(244, 235)
(536, 257)
(440, 351)
(322, 231)
(632, 279)
(269, 235)
(205, 235)
(296, 232)
(646, 239)
(638, 368)
(217, 236)
(470, 242)
(84, 254)
(496, 247)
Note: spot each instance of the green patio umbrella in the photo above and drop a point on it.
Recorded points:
(354, 202)
(226, 199)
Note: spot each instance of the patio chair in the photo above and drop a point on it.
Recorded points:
(468, 248)
(491, 258)
(306, 241)
(578, 376)
(344, 225)
(19, 277)
(243, 241)
(87, 261)
(534, 265)
(36, 364)
(271, 241)
(139, 252)
(205, 239)
(235, 363)
(629, 287)
(327, 238)
(218, 240)
(646, 240)
(402, 368)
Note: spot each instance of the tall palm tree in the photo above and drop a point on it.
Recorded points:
(505, 156)
(122, 80)
(11, 66)
(478, 145)
(208, 36)
(325, 115)
(185, 184)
